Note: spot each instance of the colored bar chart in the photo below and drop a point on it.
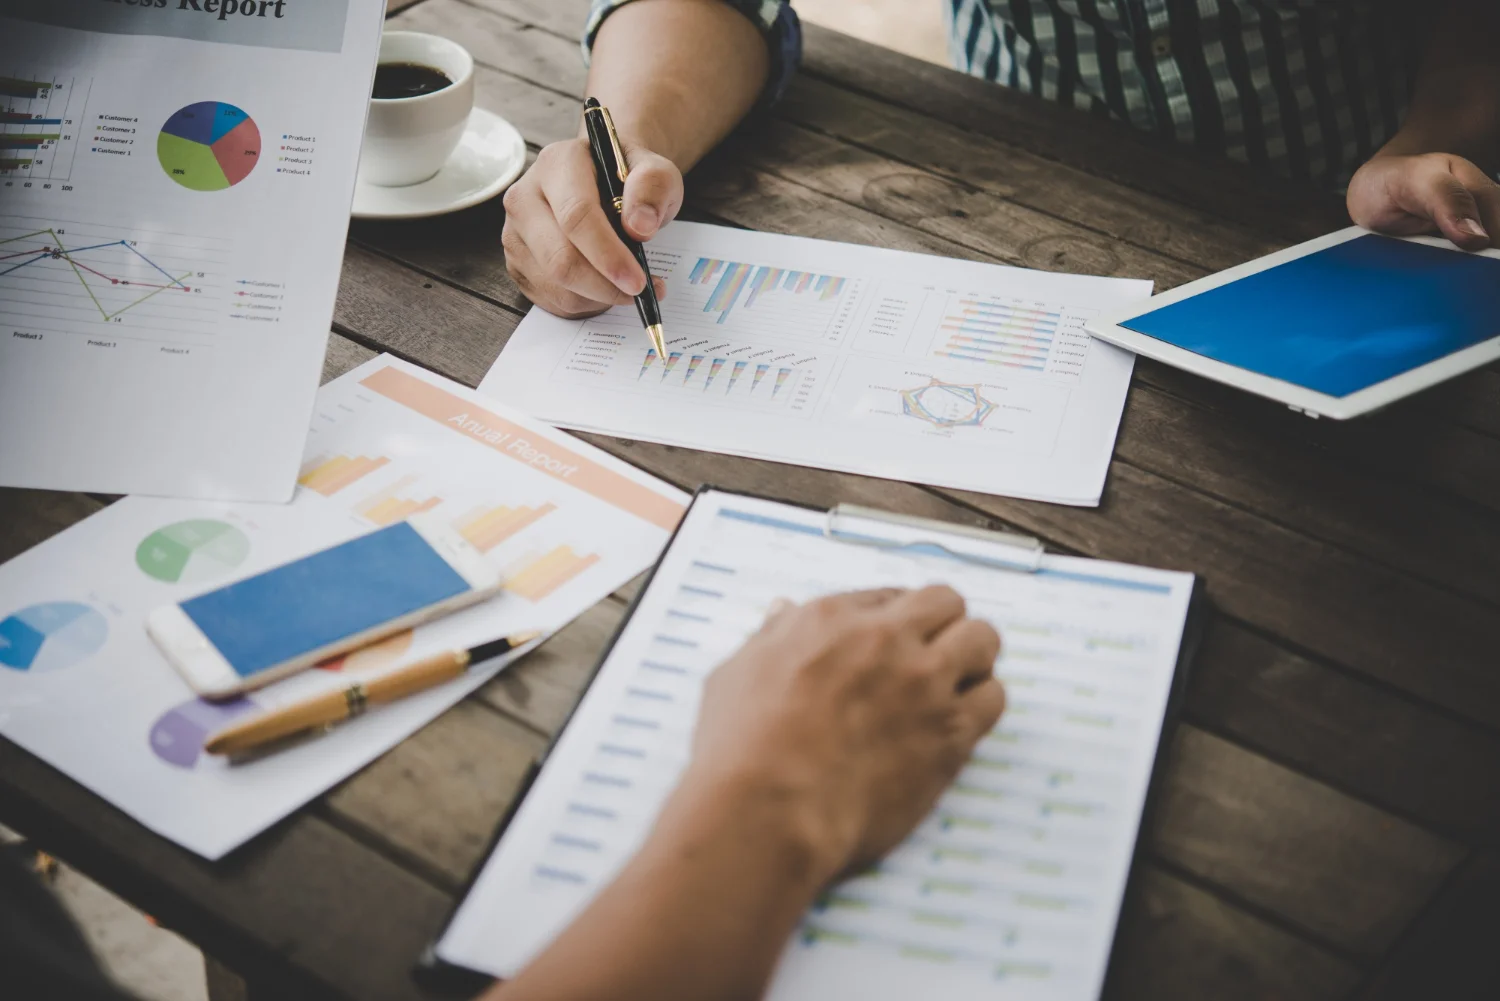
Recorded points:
(37, 137)
(28, 141)
(538, 579)
(486, 528)
(731, 278)
(26, 90)
(386, 507)
(673, 357)
(714, 368)
(999, 333)
(735, 373)
(327, 476)
(692, 368)
(646, 365)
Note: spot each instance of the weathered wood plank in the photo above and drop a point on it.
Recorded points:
(342, 355)
(999, 229)
(28, 517)
(435, 798)
(1450, 953)
(1007, 171)
(1362, 738)
(383, 304)
(564, 18)
(1294, 846)
(542, 689)
(1264, 466)
(301, 908)
(1251, 199)
(464, 251)
(1182, 942)
(503, 43)
(1408, 441)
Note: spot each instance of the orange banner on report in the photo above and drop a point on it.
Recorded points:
(531, 448)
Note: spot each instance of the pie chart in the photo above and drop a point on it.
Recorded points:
(177, 736)
(192, 551)
(209, 146)
(51, 636)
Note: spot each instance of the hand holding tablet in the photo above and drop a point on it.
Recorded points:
(1334, 327)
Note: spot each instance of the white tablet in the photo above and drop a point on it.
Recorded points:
(1335, 327)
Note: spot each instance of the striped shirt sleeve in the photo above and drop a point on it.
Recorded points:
(775, 19)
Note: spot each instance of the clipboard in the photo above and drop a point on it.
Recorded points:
(1022, 554)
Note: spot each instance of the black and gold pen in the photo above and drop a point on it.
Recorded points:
(611, 170)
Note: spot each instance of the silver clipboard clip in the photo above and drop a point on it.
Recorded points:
(1028, 551)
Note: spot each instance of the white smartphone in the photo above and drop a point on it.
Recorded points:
(287, 619)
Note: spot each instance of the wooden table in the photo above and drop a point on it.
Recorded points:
(1330, 823)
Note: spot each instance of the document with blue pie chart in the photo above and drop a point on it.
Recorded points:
(859, 359)
(83, 687)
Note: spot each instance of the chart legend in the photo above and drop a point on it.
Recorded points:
(327, 476)
(209, 146)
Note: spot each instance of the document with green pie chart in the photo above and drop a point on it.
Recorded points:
(175, 187)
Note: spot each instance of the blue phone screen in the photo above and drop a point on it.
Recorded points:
(265, 620)
(1342, 319)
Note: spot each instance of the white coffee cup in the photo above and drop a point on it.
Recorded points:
(408, 139)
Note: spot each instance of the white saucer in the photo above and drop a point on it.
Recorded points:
(490, 156)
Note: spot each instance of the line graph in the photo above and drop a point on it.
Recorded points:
(56, 252)
(65, 276)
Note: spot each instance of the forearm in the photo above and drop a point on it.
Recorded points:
(700, 914)
(678, 75)
(1456, 105)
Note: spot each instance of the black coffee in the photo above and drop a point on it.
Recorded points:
(398, 80)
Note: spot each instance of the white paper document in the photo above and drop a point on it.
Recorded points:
(891, 364)
(1010, 889)
(175, 183)
(83, 687)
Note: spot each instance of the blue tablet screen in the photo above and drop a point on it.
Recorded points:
(1342, 319)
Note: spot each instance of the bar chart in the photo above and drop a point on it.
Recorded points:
(328, 475)
(1020, 335)
(999, 333)
(388, 506)
(731, 278)
(538, 577)
(486, 528)
(39, 118)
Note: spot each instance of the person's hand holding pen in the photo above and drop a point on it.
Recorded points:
(560, 246)
(676, 76)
